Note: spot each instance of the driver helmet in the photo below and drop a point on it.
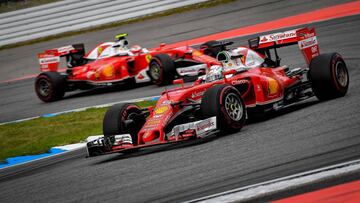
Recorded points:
(121, 45)
(231, 60)
(215, 73)
(241, 58)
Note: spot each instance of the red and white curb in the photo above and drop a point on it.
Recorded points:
(272, 187)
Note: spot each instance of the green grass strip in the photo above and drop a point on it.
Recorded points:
(184, 9)
(37, 136)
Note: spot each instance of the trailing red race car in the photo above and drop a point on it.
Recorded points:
(113, 63)
(248, 81)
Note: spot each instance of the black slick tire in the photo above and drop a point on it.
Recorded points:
(329, 76)
(115, 121)
(162, 69)
(50, 86)
(215, 102)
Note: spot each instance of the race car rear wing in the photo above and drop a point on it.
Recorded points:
(304, 37)
(50, 59)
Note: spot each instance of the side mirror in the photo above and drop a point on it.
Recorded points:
(162, 45)
(179, 82)
(228, 72)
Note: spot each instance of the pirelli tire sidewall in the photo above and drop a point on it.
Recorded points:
(213, 104)
(327, 73)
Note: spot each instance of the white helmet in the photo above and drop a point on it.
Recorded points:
(215, 73)
(241, 58)
(231, 60)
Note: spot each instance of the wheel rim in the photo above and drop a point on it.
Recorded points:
(155, 71)
(44, 87)
(233, 107)
(341, 74)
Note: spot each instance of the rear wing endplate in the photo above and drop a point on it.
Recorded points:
(304, 37)
(49, 60)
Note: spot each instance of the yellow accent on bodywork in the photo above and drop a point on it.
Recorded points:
(108, 71)
(273, 86)
(148, 58)
(197, 53)
(161, 110)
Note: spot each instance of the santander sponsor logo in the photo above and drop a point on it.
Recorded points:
(65, 49)
(239, 82)
(278, 36)
(49, 60)
(205, 125)
(197, 94)
(308, 42)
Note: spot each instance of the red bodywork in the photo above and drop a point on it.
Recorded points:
(116, 68)
(259, 87)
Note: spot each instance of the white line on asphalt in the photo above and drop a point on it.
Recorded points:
(282, 184)
(80, 109)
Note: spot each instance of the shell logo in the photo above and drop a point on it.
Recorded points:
(273, 86)
(161, 110)
(108, 71)
(196, 53)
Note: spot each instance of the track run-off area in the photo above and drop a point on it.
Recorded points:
(304, 137)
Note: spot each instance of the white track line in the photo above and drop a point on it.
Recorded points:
(282, 184)
(80, 109)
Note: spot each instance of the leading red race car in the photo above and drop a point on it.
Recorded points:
(248, 81)
(113, 63)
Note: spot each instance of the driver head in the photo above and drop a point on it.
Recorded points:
(121, 41)
(231, 60)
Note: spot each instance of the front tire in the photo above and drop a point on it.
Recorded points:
(162, 69)
(122, 119)
(50, 86)
(226, 103)
(329, 76)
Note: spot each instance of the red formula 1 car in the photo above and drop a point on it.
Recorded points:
(248, 81)
(113, 63)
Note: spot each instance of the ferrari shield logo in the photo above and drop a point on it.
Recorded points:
(148, 58)
(100, 50)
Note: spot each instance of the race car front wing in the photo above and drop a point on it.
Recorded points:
(101, 145)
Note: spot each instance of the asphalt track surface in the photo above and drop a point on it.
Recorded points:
(304, 137)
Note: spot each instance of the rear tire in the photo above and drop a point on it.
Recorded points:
(226, 103)
(329, 76)
(162, 69)
(115, 118)
(50, 86)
